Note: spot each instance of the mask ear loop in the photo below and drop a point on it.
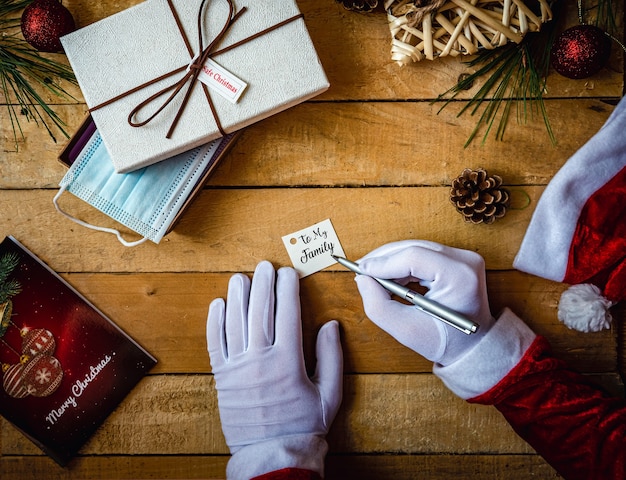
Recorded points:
(126, 243)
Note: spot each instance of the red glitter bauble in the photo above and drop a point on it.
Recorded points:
(38, 341)
(44, 22)
(12, 381)
(580, 51)
(42, 375)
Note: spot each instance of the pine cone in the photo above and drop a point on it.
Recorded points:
(479, 197)
(364, 6)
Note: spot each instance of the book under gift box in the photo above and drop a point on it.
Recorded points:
(66, 365)
(120, 62)
(219, 148)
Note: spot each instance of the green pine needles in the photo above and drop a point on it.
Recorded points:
(25, 74)
(8, 288)
(516, 73)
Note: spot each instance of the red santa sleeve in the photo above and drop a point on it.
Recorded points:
(570, 421)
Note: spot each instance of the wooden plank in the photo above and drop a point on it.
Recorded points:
(340, 467)
(438, 467)
(120, 467)
(233, 229)
(167, 314)
(149, 421)
(400, 413)
(319, 144)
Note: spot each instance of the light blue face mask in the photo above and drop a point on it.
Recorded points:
(146, 200)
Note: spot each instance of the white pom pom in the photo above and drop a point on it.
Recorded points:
(584, 308)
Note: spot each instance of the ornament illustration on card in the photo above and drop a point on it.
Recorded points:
(311, 248)
(37, 372)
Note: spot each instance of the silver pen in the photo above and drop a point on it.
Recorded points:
(432, 308)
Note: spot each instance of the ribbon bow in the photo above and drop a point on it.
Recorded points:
(193, 69)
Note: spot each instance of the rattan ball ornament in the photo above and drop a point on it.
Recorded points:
(479, 197)
(429, 29)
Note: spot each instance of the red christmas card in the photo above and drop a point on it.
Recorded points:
(65, 365)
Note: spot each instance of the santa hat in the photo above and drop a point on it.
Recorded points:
(577, 234)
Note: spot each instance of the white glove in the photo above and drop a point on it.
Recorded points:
(454, 278)
(255, 345)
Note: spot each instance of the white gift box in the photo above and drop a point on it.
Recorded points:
(123, 60)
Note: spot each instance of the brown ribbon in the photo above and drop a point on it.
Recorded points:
(193, 69)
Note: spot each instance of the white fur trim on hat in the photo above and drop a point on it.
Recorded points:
(583, 307)
(546, 245)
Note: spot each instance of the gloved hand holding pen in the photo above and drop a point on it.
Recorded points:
(455, 278)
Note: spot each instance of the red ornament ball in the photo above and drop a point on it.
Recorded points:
(42, 375)
(580, 51)
(38, 341)
(12, 381)
(44, 22)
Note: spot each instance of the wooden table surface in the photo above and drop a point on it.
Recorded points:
(372, 154)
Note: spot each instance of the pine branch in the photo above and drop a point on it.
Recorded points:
(8, 7)
(8, 288)
(604, 16)
(24, 73)
(514, 73)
